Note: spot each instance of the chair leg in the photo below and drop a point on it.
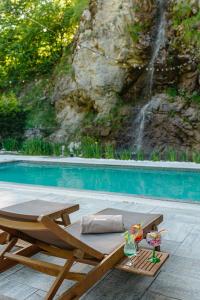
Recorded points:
(59, 279)
(8, 247)
(78, 289)
(65, 219)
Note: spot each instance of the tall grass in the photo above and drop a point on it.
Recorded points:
(90, 148)
(155, 156)
(37, 147)
(184, 156)
(171, 154)
(140, 155)
(196, 157)
(109, 151)
(10, 144)
(125, 154)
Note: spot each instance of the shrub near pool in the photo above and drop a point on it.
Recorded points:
(12, 117)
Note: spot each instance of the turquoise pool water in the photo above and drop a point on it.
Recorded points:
(171, 184)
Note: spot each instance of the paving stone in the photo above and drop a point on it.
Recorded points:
(43, 282)
(119, 285)
(176, 286)
(188, 216)
(2, 297)
(153, 296)
(140, 208)
(179, 278)
(38, 295)
(10, 272)
(191, 245)
(37, 280)
(15, 289)
(176, 231)
(182, 266)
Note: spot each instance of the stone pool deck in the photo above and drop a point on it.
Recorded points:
(178, 279)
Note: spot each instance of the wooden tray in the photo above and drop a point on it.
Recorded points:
(141, 265)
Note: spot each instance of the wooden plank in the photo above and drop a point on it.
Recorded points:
(93, 276)
(22, 244)
(141, 265)
(3, 237)
(59, 279)
(28, 251)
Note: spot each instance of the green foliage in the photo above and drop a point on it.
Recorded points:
(139, 155)
(41, 147)
(90, 148)
(172, 113)
(36, 147)
(172, 92)
(196, 157)
(109, 151)
(182, 10)
(12, 116)
(184, 156)
(125, 154)
(190, 97)
(155, 155)
(33, 34)
(10, 144)
(171, 154)
(137, 29)
(9, 104)
(56, 149)
(40, 111)
(64, 66)
(186, 18)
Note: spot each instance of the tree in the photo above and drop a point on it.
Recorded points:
(33, 34)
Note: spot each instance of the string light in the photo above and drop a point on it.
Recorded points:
(139, 66)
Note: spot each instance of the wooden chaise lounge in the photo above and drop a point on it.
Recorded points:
(103, 251)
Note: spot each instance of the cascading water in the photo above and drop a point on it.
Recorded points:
(159, 43)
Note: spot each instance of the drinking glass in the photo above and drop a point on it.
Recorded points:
(137, 231)
(130, 250)
(154, 239)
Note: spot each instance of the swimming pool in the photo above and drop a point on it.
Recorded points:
(167, 184)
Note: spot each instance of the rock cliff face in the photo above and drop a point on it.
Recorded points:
(172, 122)
(102, 63)
(103, 93)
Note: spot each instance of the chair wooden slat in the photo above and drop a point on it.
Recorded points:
(141, 265)
(42, 233)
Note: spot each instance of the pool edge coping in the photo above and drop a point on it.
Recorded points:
(187, 166)
(110, 196)
(100, 162)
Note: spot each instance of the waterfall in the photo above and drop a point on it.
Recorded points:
(158, 44)
(140, 122)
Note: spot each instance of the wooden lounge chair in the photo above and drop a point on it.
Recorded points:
(34, 208)
(103, 251)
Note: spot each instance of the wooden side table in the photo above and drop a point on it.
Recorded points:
(141, 265)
